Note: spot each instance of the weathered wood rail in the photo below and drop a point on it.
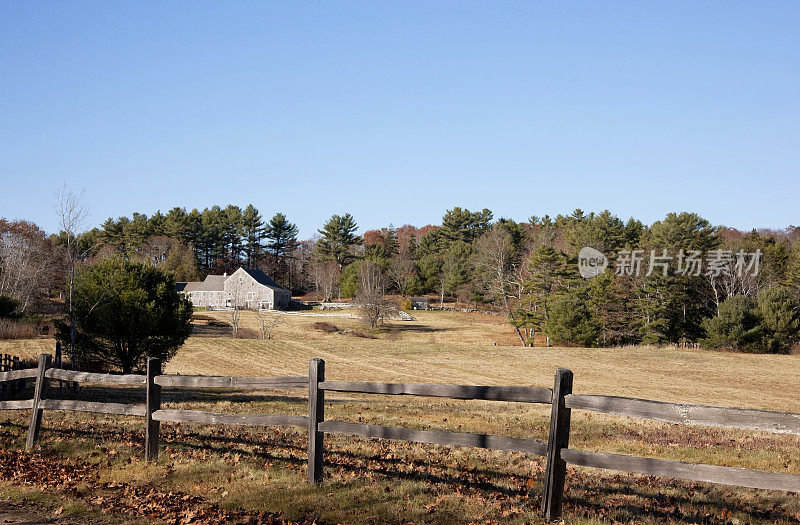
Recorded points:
(676, 413)
(556, 449)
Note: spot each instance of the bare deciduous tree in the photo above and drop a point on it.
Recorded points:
(26, 262)
(72, 214)
(326, 277)
(371, 292)
(268, 323)
(400, 272)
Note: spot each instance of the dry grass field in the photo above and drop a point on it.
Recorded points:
(368, 481)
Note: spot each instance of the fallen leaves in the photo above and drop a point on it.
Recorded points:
(50, 472)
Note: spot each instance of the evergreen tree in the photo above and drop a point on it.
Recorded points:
(282, 236)
(253, 233)
(570, 321)
(156, 224)
(779, 312)
(176, 224)
(455, 266)
(737, 326)
(233, 230)
(193, 234)
(338, 235)
(136, 231)
(348, 281)
(611, 303)
(127, 311)
(548, 276)
(212, 232)
(462, 225)
(113, 234)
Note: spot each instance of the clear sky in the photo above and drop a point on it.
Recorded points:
(396, 111)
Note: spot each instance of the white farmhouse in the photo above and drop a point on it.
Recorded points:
(251, 289)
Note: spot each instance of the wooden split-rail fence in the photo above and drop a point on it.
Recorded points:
(10, 388)
(556, 450)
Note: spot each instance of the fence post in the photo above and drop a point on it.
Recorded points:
(18, 383)
(58, 364)
(3, 385)
(556, 468)
(45, 362)
(316, 414)
(153, 404)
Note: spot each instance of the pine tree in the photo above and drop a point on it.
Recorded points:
(176, 224)
(463, 225)
(156, 224)
(548, 276)
(136, 231)
(282, 236)
(338, 235)
(253, 234)
(233, 232)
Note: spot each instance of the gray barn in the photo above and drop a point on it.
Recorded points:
(251, 289)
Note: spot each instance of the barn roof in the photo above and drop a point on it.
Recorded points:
(213, 283)
(262, 278)
(190, 286)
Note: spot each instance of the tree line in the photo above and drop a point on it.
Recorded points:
(528, 271)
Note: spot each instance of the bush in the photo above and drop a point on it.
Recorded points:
(11, 329)
(8, 306)
(126, 311)
(325, 327)
(348, 282)
(779, 311)
(571, 322)
(406, 305)
(737, 326)
(770, 324)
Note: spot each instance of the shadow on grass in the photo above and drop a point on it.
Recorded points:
(611, 497)
(417, 328)
(644, 498)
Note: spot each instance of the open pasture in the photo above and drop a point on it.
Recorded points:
(379, 481)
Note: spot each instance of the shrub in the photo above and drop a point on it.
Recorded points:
(737, 326)
(325, 327)
(126, 311)
(406, 304)
(11, 329)
(348, 282)
(571, 322)
(779, 311)
(8, 306)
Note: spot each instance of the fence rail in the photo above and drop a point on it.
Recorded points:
(740, 477)
(439, 437)
(686, 414)
(556, 450)
(239, 383)
(521, 394)
(91, 377)
(212, 418)
(24, 404)
(93, 406)
(11, 375)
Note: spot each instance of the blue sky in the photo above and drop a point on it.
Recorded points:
(395, 112)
